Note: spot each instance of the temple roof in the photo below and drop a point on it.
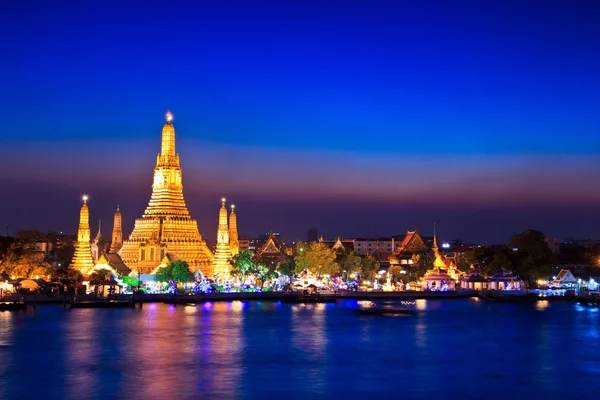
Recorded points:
(565, 276)
(114, 261)
(272, 247)
(412, 243)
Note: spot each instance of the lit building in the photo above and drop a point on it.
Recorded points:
(244, 243)
(412, 244)
(166, 225)
(222, 256)
(99, 245)
(82, 259)
(234, 242)
(271, 251)
(117, 234)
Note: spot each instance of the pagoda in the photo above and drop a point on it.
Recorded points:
(166, 226)
(117, 235)
(234, 242)
(221, 263)
(82, 259)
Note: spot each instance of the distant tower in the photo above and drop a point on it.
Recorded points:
(221, 264)
(438, 262)
(117, 234)
(82, 259)
(312, 235)
(234, 244)
(96, 244)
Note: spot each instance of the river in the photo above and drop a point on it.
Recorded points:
(465, 349)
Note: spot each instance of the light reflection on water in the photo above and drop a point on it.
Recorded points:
(266, 350)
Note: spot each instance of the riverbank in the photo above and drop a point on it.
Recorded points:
(265, 296)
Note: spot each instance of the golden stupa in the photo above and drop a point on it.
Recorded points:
(82, 259)
(234, 243)
(221, 263)
(166, 226)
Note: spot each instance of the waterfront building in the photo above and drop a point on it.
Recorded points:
(437, 279)
(113, 263)
(166, 225)
(473, 280)
(564, 280)
(504, 279)
(221, 264)
(234, 243)
(117, 233)
(82, 259)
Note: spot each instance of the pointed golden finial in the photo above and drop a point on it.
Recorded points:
(232, 207)
(84, 198)
(169, 116)
(223, 200)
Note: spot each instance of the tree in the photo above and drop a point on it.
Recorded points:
(287, 266)
(164, 274)
(369, 267)
(351, 263)
(395, 272)
(316, 257)
(242, 264)
(70, 278)
(181, 272)
(420, 264)
(532, 255)
(98, 278)
(499, 260)
(130, 281)
(177, 272)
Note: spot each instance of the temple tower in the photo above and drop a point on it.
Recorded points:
(234, 243)
(82, 259)
(438, 262)
(96, 243)
(221, 264)
(117, 234)
(166, 226)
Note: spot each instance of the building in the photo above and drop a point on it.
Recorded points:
(340, 246)
(221, 260)
(82, 259)
(411, 244)
(166, 226)
(271, 251)
(244, 243)
(366, 247)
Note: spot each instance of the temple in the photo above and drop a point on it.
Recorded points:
(117, 234)
(221, 265)
(82, 259)
(234, 242)
(166, 226)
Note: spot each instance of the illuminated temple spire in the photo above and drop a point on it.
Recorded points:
(221, 264)
(117, 234)
(234, 243)
(82, 259)
(166, 226)
(438, 262)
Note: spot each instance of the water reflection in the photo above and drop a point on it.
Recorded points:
(270, 350)
(6, 353)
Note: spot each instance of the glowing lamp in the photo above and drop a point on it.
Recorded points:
(169, 116)
(84, 197)
(232, 206)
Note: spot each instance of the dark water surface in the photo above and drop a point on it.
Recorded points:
(453, 349)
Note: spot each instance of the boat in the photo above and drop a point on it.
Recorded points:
(296, 297)
(386, 311)
(13, 306)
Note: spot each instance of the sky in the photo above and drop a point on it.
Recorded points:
(359, 118)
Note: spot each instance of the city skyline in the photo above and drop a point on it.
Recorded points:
(356, 120)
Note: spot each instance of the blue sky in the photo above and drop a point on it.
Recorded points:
(379, 106)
